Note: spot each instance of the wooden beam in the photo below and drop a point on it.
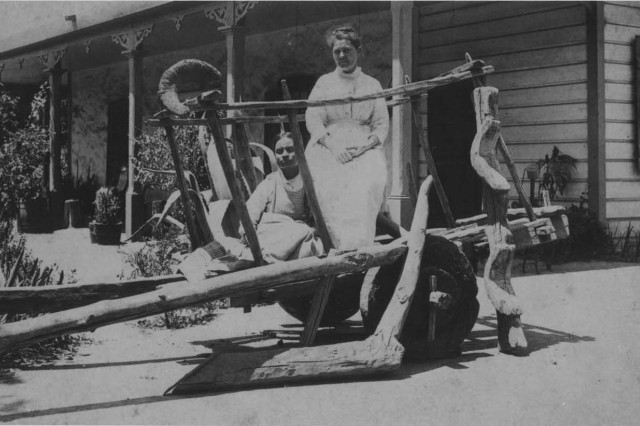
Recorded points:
(470, 70)
(596, 127)
(40, 300)
(90, 317)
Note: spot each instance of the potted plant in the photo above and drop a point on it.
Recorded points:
(551, 173)
(107, 224)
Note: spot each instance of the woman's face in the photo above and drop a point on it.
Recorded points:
(345, 55)
(285, 154)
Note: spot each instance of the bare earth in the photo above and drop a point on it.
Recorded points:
(582, 322)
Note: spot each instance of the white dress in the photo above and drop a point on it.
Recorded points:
(351, 194)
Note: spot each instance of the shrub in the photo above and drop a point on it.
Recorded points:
(22, 171)
(153, 157)
(588, 238)
(19, 268)
(159, 257)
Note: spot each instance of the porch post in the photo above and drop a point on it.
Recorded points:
(52, 63)
(402, 146)
(235, 36)
(133, 200)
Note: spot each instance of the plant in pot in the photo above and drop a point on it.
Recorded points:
(107, 224)
(552, 174)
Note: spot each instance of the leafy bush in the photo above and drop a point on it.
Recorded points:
(108, 209)
(19, 268)
(22, 171)
(588, 238)
(153, 158)
(8, 115)
(159, 257)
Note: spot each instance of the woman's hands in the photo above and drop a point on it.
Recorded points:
(344, 155)
(339, 152)
(356, 151)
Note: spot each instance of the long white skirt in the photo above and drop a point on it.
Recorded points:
(350, 195)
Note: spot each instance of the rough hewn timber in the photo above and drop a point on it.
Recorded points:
(497, 274)
(107, 312)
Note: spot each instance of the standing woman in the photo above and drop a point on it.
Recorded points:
(344, 153)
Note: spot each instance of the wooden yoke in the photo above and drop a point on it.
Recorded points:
(497, 274)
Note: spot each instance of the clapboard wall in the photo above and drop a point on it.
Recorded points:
(539, 53)
(621, 25)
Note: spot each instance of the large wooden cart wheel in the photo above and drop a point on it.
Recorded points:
(454, 276)
(342, 303)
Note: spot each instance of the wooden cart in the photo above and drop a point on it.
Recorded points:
(438, 319)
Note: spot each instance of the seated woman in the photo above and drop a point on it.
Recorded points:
(278, 210)
(344, 153)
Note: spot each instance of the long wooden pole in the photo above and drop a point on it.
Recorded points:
(321, 295)
(431, 164)
(30, 331)
(477, 68)
(236, 194)
(194, 235)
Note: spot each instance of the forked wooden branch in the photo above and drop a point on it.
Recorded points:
(497, 274)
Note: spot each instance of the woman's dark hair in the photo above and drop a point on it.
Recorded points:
(344, 32)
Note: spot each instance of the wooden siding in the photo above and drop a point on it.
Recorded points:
(622, 25)
(539, 52)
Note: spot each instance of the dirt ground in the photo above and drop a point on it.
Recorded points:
(582, 322)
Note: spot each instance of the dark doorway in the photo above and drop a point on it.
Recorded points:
(117, 139)
(451, 121)
(300, 86)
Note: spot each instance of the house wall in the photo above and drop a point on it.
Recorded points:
(622, 24)
(92, 91)
(538, 50)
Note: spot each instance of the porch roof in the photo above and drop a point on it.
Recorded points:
(92, 46)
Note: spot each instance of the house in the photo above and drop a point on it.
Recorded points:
(566, 72)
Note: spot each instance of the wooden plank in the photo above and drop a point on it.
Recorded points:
(617, 209)
(547, 132)
(532, 149)
(618, 170)
(537, 114)
(620, 33)
(619, 92)
(519, 79)
(489, 11)
(244, 159)
(620, 131)
(38, 300)
(90, 317)
(433, 7)
(571, 92)
(571, 14)
(507, 45)
(623, 190)
(621, 150)
(618, 72)
(619, 53)
(624, 15)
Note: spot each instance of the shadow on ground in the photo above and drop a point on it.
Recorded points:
(539, 338)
